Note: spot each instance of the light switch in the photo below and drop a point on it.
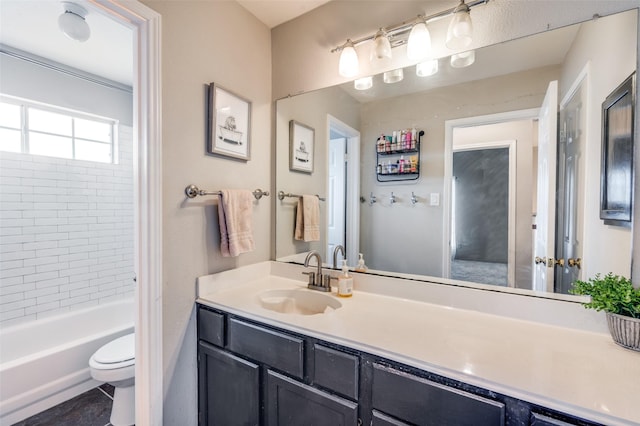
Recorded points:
(434, 199)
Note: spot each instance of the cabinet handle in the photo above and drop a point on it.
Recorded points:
(540, 260)
(577, 262)
(560, 263)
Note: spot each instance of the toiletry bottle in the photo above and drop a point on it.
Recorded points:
(361, 266)
(401, 164)
(345, 281)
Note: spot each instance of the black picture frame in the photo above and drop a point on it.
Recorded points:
(616, 173)
(229, 129)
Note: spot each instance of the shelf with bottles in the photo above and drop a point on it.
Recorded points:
(398, 156)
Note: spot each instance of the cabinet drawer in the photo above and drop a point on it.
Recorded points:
(542, 420)
(380, 419)
(335, 370)
(278, 350)
(211, 327)
(420, 401)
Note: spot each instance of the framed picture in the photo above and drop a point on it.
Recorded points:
(301, 141)
(229, 124)
(616, 174)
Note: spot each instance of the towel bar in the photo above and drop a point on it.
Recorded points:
(192, 191)
(282, 194)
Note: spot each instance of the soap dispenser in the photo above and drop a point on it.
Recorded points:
(345, 281)
(361, 266)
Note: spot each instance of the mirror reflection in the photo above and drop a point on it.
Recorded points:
(506, 190)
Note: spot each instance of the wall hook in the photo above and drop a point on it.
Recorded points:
(372, 199)
(392, 198)
(414, 199)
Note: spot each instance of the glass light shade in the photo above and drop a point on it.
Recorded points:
(427, 68)
(460, 32)
(72, 22)
(419, 43)
(348, 65)
(393, 76)
(381, 46)
(464, 59)
(363, 83)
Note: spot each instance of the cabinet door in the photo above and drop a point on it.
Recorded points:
(293, 403)
(228, 388)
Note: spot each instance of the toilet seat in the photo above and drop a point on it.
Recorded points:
(118, 353)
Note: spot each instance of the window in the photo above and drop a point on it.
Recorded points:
(55, 132)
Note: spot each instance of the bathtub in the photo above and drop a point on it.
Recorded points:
(45, 362)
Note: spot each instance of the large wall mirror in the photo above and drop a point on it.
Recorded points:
(508, 191)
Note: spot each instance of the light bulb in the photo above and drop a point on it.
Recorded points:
(348, 65)
(381, 46)
(363, 83)
(419, 43)
(460, 32)
(427, 68)
(464, 59)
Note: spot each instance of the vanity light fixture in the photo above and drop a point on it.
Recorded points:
(463, 59)
(460, 32)
(413, 33)
(427, 68)
(363, 83)
(394, 76)
(348, 66)
(72, 22)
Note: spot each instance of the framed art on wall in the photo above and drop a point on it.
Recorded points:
(301, 141)
(616, 174)
(229, 124)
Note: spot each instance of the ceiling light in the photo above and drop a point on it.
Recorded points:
(464, 59)
(348, 66)
(381, 46)
(363, 83)
(419, 43)
(393, 76)
(427, 68)
(459, 34)
(73, 23)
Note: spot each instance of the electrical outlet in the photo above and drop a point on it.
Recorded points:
(434, 199)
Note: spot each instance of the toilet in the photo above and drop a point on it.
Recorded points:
(114, 363)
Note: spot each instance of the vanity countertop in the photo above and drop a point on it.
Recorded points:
(578, 372)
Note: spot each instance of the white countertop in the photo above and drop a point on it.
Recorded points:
(574, 371)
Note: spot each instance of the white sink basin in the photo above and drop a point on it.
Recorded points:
(298, 301)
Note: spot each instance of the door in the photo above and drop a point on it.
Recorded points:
(336, 206)
(570, 190)
(544, 241)
(229, 388)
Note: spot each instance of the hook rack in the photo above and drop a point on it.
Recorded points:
(282, 195)
(193, 191)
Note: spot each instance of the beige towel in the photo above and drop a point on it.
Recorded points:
(236, 227)
(308, 219)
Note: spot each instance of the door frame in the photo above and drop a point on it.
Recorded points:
(510, 144)
(449, 126)
(352, 224)
(145, 24)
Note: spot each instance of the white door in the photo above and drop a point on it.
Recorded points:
(336, 206)
(544, 241)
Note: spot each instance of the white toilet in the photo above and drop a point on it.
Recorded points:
(114, 363)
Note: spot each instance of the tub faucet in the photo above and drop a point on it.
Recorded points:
(336, 249)
(317, 281)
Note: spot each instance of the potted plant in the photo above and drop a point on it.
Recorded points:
(620, 300)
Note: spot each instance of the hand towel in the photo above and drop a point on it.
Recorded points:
(308, 219)
(235, 219)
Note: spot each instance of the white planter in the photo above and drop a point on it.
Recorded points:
(625, 331)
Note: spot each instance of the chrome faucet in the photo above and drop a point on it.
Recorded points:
(336, 249)
(317, 281)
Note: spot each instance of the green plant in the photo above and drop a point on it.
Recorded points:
(611, 293)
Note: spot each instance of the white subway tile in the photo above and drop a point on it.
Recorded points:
(34, 277)
(6, 288)
(17, 254)
(44, 291)
(52, 297)
(15, 272)
(42, 308)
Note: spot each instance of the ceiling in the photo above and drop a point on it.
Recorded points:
(32, 26)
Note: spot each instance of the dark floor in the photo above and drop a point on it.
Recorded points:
(92, 408)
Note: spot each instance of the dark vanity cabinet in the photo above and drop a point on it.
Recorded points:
(254, 374)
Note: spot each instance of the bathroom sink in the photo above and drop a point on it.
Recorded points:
(298, 301)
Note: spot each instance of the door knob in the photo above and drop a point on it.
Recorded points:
(577, 262)
(540, 260)
(560, 263)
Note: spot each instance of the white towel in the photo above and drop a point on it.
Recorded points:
(235, 219)
(308, 219)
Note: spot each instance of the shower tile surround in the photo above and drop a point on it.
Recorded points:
(66, 232)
